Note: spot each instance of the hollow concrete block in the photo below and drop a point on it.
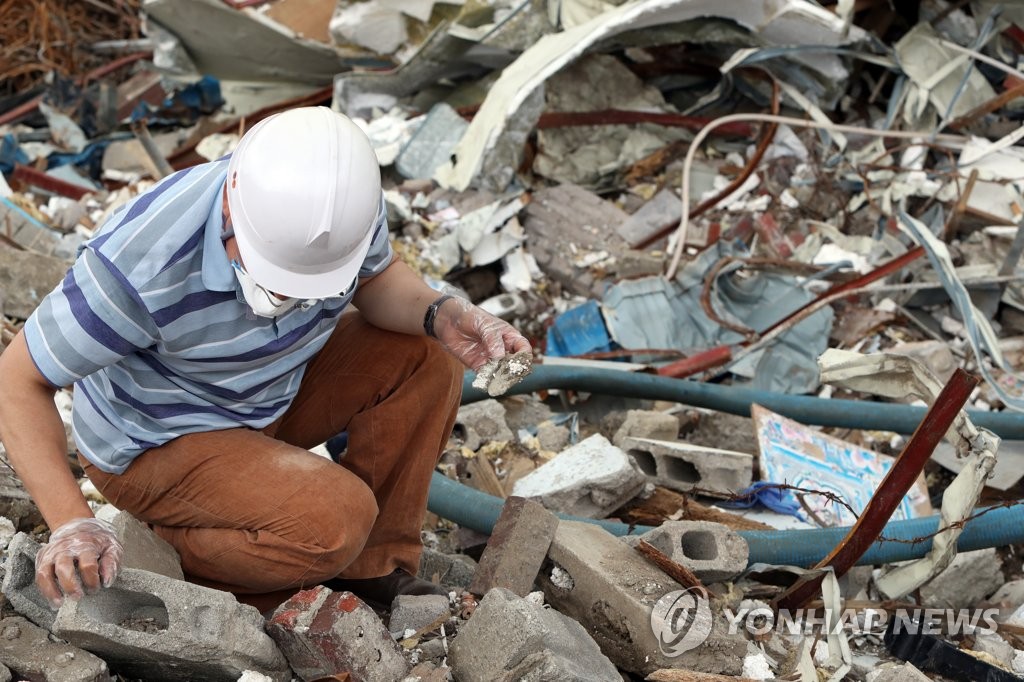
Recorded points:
(685, 467)
(713, 551)
(150, 626)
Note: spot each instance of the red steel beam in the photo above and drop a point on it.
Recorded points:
(38, 178)
(891, 491)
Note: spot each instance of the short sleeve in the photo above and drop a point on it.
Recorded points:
(380, 254)
(92, 319)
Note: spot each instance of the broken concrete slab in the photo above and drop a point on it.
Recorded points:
(898, 673)
(713, 551)
(154, 627)
(996, 647)
(969, 579)
(487, 419)
(564, 224)
(415, 611)
(144, 549)
(605, 585)
(26, 278)
(29, 652)
(785, 22)
(592, 478)
(20, 582)
(661, 210)
(509, 638)
(647, 424)
(517, 548)
(684, 466)
(450, 570)
(323, 633)
(26, 231)
(432, 143)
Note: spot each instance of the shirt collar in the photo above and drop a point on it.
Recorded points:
(216, 273)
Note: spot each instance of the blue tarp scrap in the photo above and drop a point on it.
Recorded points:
(183, 106)
(779, 500)
(10, 153)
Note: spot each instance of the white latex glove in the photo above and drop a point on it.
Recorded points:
(473, 335)
(82, 556)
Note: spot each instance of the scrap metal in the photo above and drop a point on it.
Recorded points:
(890, 493)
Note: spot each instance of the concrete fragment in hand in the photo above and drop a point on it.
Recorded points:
(592, 478)
(323, 633)
(501, 374)
(154, 627)
(509, 638)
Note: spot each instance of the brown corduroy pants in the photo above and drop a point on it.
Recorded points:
(254, 512)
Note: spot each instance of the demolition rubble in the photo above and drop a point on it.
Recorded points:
(767, 254)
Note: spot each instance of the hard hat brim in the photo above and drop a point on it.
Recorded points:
(292, 284)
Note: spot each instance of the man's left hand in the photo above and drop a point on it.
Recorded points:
(473, 335)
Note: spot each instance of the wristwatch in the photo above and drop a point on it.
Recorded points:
(428, 318)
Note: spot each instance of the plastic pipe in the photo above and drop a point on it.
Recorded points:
(852, 414)
(798, 547)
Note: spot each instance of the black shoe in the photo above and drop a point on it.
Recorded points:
(380, 592)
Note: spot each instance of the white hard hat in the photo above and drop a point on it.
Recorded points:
(304, 191)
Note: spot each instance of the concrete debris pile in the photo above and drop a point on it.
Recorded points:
(768, 253)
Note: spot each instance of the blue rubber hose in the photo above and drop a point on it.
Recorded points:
(851, 414)
(800, 547)
(471, 508)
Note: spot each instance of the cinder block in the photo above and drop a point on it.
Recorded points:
(647, 424)
(713, 551)
(517, 548)
(150, 626)
(592, 478)
(20, 582)
(323, 633)
(412, 611)
(29, 652)
(144, 549)
(509, 638)
(605, 585)
(684, 466)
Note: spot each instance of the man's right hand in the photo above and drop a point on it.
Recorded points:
(82, 556)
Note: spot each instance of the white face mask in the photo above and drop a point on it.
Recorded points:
(262, 302)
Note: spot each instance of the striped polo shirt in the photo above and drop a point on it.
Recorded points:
(150, 326)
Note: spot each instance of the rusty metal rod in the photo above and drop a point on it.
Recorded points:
(891, 491)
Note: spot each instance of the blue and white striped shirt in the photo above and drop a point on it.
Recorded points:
(150, 326)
